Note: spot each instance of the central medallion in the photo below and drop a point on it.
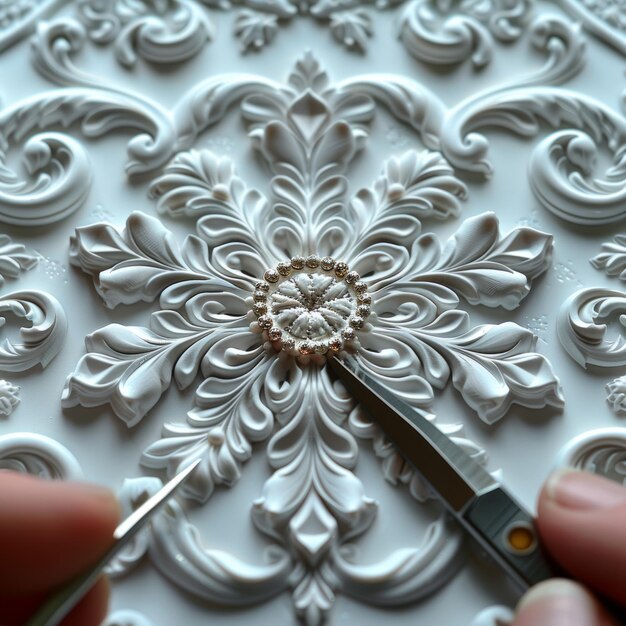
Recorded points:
(311, 305)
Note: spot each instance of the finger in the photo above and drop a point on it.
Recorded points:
(560, 603)
(90, 611)
(582, 522)
(50, 531)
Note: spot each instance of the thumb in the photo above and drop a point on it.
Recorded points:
(50, 531)
(582, 523)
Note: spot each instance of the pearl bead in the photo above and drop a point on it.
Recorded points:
(284, 269)
(259, 296)
(271, 276)
(335, 344)
(274, 333)
(265, 322)
(356, 322)
(348, 334)
(341, 269)
(352, 277)
(306, 348)
(321, 348)
(327, 263)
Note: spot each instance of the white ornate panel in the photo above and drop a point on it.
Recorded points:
(200, 201)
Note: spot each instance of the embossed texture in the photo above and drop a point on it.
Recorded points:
(9, 397)
(591, 327)
(37, 455)
(601, 451)
(415, 336)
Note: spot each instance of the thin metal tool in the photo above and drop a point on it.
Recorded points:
(503, 528)
(60, 604)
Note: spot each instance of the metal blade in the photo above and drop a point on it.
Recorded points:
(138, 518)
(452, 473)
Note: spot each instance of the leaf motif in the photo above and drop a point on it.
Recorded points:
(254, 29)
(483, 268)
(129, 367)
(612, 258)
(352, 28)
(140, 262)
(203, 186)
(495, 366)
(230, 413)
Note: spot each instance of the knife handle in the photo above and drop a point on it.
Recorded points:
(506, 530)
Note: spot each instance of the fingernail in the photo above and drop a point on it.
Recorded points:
(558, 603)
(583, 491)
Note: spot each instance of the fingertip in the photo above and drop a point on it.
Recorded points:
(560, 602)
(50, 531)
(581, 521)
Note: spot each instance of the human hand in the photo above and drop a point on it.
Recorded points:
(582, 523)
(51, 531)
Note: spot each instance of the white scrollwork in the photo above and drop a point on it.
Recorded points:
(494, 616)
(304, 262)
(14, 258)
(562, 165)
(42, 340)
(19, 18)
(591, 327)
(445, 33)
(601, 451)
(157, 31)
(126, 618)
(37, 455)
(612, 258)
(604, 18)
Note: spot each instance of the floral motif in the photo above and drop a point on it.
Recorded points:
(301, 262)
(616, 394)
(9, 397)
(612, 259)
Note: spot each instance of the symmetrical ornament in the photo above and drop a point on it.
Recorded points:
(256, 299)
(249, 307)
(612, 258)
